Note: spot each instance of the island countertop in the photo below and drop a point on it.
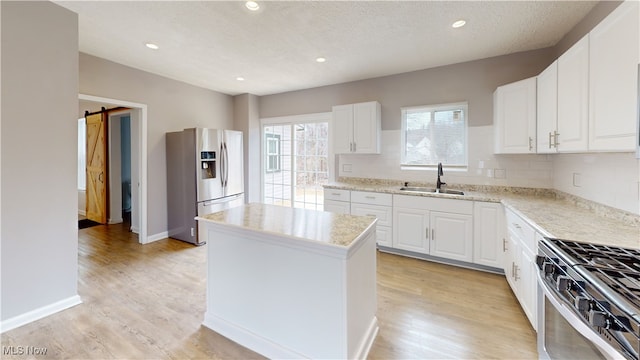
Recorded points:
(309, 225)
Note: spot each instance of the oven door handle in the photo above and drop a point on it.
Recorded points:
(576, 321)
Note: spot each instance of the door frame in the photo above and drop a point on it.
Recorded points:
(142, 155)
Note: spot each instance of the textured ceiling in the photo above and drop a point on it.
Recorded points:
(211, 43)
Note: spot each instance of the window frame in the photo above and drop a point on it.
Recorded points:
(269, 137)
(462, 105)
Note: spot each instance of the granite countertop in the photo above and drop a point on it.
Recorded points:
(309, 225)
(550, 212)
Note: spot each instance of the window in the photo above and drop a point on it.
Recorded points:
(272, 151)
(296, 161)
(433, 134)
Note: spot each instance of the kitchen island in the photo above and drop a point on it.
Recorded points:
(291, 283)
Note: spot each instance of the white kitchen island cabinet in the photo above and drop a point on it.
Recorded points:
(292, 283)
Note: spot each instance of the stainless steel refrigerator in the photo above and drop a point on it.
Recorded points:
(204, 175)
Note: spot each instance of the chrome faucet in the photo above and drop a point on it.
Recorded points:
(439, 183)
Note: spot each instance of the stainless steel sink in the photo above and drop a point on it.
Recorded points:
(430, 190)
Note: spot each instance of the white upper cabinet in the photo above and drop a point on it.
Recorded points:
(613, 55)
(514, 120)
(573, 98)
(356, 128)
(547, 109)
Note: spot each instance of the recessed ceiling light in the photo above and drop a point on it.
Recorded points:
(240, 78)
(459, 23)
(321, 60)
(252, 5)
(152, 46)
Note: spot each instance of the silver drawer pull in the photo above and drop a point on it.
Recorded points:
(336, 194)
(371, 215)
(370, 197)
(517, 226)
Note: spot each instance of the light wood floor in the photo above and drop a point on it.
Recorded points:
(148, 301)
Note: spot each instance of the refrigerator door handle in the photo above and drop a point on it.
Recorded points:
(226, 165)
(222, 165)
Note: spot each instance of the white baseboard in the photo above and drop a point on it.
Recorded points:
(39, 313)
(250, 340)
(156, 237)
(115, 221)
(82, 212)
(367, 340)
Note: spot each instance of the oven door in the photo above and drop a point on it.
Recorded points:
(562, 334)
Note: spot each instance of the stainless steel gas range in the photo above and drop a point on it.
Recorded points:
(589, 301)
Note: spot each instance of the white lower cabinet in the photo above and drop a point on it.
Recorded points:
(411, 229)
(520, 264)
(460, 230)
(434, 226)
(488, 234)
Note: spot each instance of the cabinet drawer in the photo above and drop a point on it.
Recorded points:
(521, 229)
(340, 207)
(434, 203)
(383, 213)
(337, 194)
(373, 198)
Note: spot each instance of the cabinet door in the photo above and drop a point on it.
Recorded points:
(342, 126)
(411, 229)
(547, 109)
(488, 246)
(515, 117)
(573, 98)
(613, 66)
(511, 256)
(340, 207)
(383, 236)
(528, 287)
(451, 236)
(366, 128)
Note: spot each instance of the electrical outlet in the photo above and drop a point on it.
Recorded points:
(577, 180)
(500, 173)
(346, 167)
(490, 173)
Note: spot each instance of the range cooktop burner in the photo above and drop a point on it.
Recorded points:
(601, 256)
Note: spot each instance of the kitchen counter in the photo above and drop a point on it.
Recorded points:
(552, 213)
(291, 283)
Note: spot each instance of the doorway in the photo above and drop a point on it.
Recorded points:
(137, 126)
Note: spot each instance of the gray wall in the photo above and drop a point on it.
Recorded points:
(172, 106)
(473, 81)
(39, 235)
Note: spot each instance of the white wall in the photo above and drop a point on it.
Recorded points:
(512, 170)
(39, 237)
(172, 106)
(611, 179)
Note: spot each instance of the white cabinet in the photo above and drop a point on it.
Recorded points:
(547, 109)
(411, 229)
(488, 234)
(514, 109)
(613, 66)
(337, 200)
(435, 226)
(375, 204)
(520, 265)
(356, 128)
(573, 98)
(451, 236)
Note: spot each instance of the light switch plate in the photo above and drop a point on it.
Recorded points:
(346, 167)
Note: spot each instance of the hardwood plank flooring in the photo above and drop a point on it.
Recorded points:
(148, 302)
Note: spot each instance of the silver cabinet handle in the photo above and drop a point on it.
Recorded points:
(504, 245)
(370, 197)
(433, 234)
(530, 144)
(354, 147)
(426, 233)
(513, 269)
(515, 273)
(335, 194)
(550, 140)
(555, 139)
